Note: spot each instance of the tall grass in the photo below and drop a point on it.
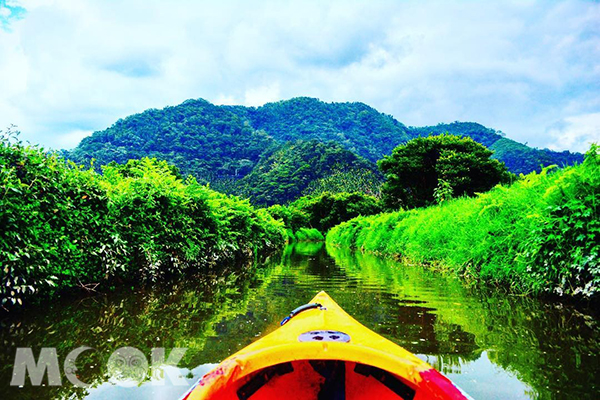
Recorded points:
(541, 234)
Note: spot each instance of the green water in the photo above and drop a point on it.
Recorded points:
(493, 345)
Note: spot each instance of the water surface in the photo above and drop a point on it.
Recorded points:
(493, 345)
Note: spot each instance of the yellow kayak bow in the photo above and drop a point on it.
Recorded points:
(321, 352)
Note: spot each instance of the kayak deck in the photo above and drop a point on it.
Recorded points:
(323, 353)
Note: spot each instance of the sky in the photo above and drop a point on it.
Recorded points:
(530, 69)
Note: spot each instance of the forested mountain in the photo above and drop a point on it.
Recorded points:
(200, 138)
(288, 170)
(356, 126)
(518, 157)
(226, 143)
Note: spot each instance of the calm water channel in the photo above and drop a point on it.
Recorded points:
(493, 345)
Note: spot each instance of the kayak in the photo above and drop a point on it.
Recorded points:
(321, 352)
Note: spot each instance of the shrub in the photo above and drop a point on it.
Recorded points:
(326, 210)
(429, 169)
(309, 235)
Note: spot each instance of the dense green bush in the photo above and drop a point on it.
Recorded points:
(326, 210)
(310, 216)
(292, 217)
(565, 245)
(55, 223)
(178, 222)
(432, 169)
(63, 226)
(308, 235)
(542, 234)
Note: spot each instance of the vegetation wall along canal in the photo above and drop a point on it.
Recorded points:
(541, 234)
(63, 226)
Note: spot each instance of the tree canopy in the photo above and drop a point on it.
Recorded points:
(438, 166)
(286, 173)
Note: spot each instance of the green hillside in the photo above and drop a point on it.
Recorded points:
(200, 138)
(356, 126)
(224, 144)
(288, 170)
(519, 158)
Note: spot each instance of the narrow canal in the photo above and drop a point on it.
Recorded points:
(493, 345)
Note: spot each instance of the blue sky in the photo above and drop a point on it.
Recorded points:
(528, 68)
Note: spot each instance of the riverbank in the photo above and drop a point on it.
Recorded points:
(65, 227)
(539, 235)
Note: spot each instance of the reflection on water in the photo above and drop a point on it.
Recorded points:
(485, 379)
(151, 389)
(493, 345)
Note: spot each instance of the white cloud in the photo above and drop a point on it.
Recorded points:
(514, 66)
(262, 94)
(576, 132)
(223, 100)
(71, 139)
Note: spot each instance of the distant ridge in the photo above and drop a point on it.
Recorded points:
(519, 158)
(227, 142)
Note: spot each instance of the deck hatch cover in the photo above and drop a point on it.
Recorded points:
(324, 336)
